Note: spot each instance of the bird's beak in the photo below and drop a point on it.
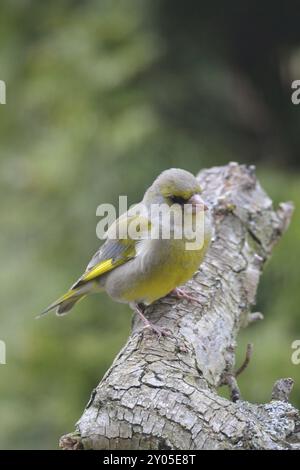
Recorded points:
(197, 203)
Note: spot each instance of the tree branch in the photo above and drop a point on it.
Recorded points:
(163, 393)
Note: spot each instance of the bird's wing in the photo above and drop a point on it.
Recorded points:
(119, 247)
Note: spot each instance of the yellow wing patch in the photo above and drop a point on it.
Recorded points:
(99, 269)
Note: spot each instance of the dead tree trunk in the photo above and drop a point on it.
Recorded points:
(163, 393)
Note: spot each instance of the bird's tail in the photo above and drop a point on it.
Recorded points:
(67, 301)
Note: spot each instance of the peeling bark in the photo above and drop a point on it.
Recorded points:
(163, 393)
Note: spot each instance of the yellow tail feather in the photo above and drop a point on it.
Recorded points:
(72, 293)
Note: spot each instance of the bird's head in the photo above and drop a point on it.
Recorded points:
(176, 186)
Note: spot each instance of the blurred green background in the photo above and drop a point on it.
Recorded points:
(102, 96)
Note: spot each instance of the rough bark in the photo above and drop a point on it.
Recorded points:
(163, 393)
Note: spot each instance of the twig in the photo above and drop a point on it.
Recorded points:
(249, 352)
(235, 393)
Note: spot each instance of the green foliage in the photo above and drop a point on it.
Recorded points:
(86, 121)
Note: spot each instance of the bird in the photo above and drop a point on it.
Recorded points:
(144, 266)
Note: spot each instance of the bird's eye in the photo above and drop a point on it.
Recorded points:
(178, 200)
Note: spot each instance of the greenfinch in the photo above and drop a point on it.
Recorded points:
(144, 266)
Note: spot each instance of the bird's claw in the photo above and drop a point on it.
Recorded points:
(182, 294)
(157, 330)
(150, 326)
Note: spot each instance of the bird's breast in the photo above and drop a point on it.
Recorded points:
(162, 266)
(159, 266)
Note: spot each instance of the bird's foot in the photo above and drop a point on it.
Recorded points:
(150, 326)
(157, 330)
(182, 294)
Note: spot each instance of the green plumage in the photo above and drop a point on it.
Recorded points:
(140, 269)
